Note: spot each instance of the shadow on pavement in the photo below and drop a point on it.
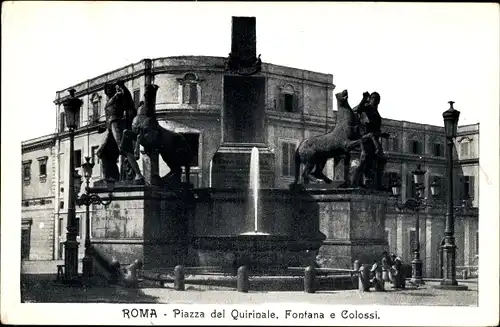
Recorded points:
(45, 289)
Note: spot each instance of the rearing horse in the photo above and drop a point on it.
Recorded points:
(315, 151)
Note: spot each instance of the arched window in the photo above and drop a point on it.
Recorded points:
(95, 113)
(190, 90)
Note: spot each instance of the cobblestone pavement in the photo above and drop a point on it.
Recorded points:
(43, 288)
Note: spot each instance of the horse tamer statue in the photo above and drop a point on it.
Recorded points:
(146, 131)
(348, 134)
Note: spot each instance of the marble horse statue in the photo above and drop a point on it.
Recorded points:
(146, 131)
(315, 151)
(358, 128)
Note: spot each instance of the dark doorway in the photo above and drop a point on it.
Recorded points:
(25, 243)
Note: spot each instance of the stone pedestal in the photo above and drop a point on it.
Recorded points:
(145, 223)
(243, 127)
(231, 166)
(354, 224)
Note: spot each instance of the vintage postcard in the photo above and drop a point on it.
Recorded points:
(250, 163)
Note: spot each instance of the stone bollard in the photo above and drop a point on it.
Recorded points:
(364, 278)
(242, 283)
(179, 278)
(309, 279)
(355, 279)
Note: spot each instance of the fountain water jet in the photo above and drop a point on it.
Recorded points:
(254, 187)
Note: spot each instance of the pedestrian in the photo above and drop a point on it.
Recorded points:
(386, 267)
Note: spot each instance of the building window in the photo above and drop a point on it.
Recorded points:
(395, 144)
(289, 103)
(93, 154)
(137, 98)
(61, 205)
(189, 88)
(440, 182)
(27, 171)
(190, 93)
(78, 158)
(468, 187)
(42, 165)
(193, 140)
(288, 99)
(410, 186)
(464, 149)
(437, 150)
(415, 147)
(287, 158)
(96, 107)
(42, 169)
(95, 112)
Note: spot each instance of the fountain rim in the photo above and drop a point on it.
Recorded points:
(299, 189)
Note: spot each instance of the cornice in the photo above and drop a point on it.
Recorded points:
(99, 86)
(36, 202)
(134, 70)
(38, 145)
(90, 128)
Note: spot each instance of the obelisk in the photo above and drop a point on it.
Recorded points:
(243, 113)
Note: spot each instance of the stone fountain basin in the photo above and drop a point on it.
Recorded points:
(223, 231)
(214, 227)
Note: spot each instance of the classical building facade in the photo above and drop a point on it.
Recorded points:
(299, 104)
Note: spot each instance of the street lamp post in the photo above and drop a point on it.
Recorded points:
(87, 199)
(71, 109)
(449, 280)
(416, 204)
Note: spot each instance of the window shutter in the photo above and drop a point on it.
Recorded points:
(471, 187)
(295, 102)
(281, 102)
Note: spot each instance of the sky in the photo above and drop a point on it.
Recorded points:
(417, 56)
